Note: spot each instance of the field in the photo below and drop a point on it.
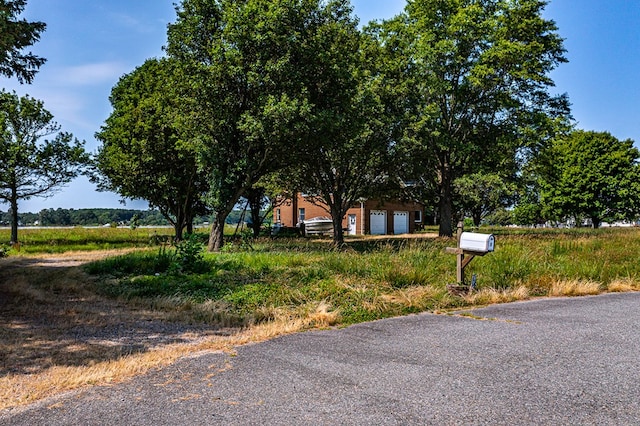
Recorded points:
(94, 306)
(61, 240)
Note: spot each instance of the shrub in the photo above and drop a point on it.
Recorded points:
(189, 257)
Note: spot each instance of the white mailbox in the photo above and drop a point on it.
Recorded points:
(480, 243)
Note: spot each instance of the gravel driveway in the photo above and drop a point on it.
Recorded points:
(550, 361)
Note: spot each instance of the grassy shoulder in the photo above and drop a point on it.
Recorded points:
(253, 291)
(371, 279)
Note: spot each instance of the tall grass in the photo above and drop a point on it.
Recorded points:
(540, 261)
(370, 279)
(378, 279)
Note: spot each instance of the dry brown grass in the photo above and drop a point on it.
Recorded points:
(489, 296)
(57, 335)
(574, 288)
(411, 297)
(623, 285)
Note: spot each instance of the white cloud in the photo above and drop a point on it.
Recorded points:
(91, 74)
(131, 22)
(79, 111)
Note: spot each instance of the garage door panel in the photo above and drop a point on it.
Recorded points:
(400, 222)
(378, 222)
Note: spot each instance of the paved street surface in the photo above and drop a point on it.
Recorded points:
(552, 361)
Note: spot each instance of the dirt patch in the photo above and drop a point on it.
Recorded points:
(50, 318)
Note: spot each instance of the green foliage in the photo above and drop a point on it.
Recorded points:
(243, 61)
(30, 167)
(482, 194)
(501, 217)
(186, 257)
(242, 242)
(268, 75)
(189, 257)
(135, 222)
(349, 152)
(143, 153)
(527, 213)
(16, 35)
(591, 174)
(473, 81)
(138, 263)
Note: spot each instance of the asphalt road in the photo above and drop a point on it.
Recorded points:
(552, 361)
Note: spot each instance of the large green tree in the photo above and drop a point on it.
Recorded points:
(250, 63)
(349, 149)
(143, 154)
(591, 175)
(480, 195)
(15, 35)
(475, 82)
(30, 164)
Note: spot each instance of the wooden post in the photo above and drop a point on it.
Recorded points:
(464, 256)
(460, 256)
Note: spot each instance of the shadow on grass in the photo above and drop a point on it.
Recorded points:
(50, 316)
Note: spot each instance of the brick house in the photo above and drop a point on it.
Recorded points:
(369, 217)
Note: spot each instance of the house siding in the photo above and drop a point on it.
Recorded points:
(289, 213)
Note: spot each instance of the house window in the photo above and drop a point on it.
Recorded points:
(301, 214)
(278, 220)
(418, 216)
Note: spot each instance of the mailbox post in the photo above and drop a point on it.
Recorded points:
(470, 245)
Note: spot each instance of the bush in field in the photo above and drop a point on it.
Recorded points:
(184, 258)
(189, 257)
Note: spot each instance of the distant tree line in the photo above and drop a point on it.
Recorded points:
(102, 217)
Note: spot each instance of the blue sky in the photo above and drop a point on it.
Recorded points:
(89, 44)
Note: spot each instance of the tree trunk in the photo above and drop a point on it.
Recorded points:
(596, 222)
(446, 227)
(445, 208)
(338, 233)
(445, 203)
(179, 225)
(14, 221)
(177, 229)
(477, 218)
(337, 212)
(255, 204)
(216, 237)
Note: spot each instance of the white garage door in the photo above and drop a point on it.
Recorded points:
(378, 222)
(400, 222)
